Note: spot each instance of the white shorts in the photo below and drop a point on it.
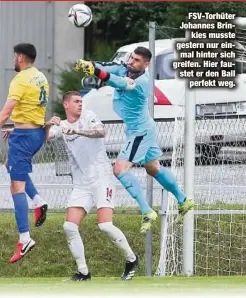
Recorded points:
(100, 194)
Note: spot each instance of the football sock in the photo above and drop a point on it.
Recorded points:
(168, 181)
(30, 188)
(33, 193)
(76, 245)
(117, 236)
(24, 237)
(21, 212)
(38, 201)
(133, 187)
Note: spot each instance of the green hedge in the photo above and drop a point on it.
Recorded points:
(220, 246)
(51, 256)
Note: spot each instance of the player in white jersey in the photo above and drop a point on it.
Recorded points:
(93, 184)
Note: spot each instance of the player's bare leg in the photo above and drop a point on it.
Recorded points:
(25, 243)
(74, 216)
(168, 181)
(105, 224)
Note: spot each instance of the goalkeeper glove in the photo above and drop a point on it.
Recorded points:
(91, 82)
(89, 69)
(86, 67)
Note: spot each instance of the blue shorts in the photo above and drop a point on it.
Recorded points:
(141, 148)
(23, 144)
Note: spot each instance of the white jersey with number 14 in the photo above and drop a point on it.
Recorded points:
(87, 156)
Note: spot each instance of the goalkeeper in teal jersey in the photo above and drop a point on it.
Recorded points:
(130, 102)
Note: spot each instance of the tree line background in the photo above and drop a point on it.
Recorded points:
(120, 23)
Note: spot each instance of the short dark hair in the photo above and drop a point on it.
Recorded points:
(26, 49)
(144, 52)
(68, 94)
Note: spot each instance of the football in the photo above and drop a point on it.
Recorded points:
(80, 15)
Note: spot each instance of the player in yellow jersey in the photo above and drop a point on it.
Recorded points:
(26, 107)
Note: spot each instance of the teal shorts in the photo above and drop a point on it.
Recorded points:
(140, 148)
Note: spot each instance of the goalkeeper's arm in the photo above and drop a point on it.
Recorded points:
(112, 80)
(110, 67)
(89, 69)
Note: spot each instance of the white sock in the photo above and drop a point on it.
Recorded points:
(117, 236)
(24, 237)
(38, 201)
(76, 245)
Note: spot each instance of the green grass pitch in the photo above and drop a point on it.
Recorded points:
(139, 286)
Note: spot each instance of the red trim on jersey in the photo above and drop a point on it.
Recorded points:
(161, 97)
(102, 74)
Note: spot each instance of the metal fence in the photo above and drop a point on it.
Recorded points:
(216, 240)
(51, 170)
(220, 148)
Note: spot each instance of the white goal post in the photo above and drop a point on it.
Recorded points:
(208, 160)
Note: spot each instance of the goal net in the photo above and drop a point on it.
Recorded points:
(220, 212)
(219, 184)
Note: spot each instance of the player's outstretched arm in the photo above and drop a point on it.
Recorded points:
(110, 67)
(97, 132)
(110, 79)
(6, 111)
(89, 68)
(123, 83)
